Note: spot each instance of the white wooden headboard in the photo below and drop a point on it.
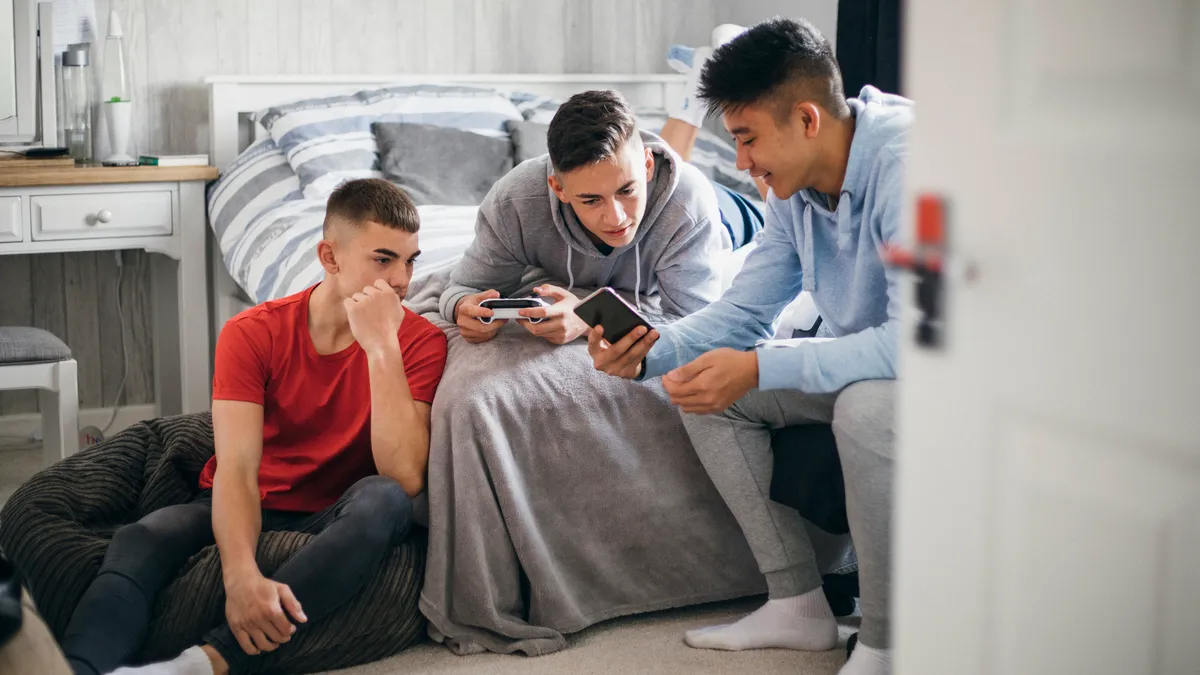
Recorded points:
(233, 98)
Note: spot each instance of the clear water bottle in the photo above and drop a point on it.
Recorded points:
(77, 104)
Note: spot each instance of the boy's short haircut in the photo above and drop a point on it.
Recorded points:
(371, 199)
(779, 62)
(590, 127)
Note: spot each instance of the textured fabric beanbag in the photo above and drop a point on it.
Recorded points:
(56, 528)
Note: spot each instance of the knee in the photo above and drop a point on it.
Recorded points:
(380, 505)
(864, 417)
(137, 548)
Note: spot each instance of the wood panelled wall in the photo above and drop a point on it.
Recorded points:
(174, 44)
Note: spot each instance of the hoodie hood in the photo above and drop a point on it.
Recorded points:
(879, 119)
(659, 188)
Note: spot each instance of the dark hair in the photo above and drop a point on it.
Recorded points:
(357, 201)
(782, 61)
(591, 126)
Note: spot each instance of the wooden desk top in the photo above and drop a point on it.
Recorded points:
(16, 176)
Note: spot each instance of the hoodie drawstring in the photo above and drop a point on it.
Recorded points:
(637, 281)
(844, 223)
(809, 281)
(570, 274)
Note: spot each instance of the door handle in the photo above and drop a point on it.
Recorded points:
(926, 261)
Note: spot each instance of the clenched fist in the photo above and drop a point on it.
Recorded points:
(375, 316)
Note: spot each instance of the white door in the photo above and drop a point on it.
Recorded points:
(1048, 494)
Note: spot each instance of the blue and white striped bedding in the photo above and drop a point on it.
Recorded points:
(329, 140)
(267, 231)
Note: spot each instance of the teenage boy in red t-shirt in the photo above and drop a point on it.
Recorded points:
(321, 405)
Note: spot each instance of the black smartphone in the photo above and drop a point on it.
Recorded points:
(39, 153)
(606, 308)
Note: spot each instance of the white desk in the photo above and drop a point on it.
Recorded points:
(159, 210)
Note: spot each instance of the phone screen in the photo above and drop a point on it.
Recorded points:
(606, 308)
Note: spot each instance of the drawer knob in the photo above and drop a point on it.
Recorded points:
(104, 216)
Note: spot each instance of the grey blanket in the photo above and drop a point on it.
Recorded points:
(560, 497)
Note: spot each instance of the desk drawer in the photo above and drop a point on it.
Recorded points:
(10, 219)
(101, 215)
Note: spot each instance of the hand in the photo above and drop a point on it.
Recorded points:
(467, 317)
(623, 359)
(712, 382)
(254, 608)
(375, 316)
(560, 325)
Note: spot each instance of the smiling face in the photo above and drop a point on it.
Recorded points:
(782, 150)
(609, 196)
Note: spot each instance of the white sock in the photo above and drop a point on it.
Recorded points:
(193, 661)
(690, 108)
(726, 32)
(802, 622)
(690, 62)
(866, 660)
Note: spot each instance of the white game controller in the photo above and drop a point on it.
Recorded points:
(510, 308)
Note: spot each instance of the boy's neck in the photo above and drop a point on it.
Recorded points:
(328, 325)
(836, 158)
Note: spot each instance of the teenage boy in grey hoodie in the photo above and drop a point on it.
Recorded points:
(835, 168)
(608, 206)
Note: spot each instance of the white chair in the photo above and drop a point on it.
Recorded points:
(31, 358)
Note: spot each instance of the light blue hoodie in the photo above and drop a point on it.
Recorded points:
(833, 254)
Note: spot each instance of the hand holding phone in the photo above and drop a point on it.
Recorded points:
(620, 337)
(606, 308)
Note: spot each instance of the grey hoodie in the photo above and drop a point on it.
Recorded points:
(675, 257)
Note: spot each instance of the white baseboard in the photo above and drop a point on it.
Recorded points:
(29, 425)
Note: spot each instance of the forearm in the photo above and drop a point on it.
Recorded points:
(823, 366)
(237, 519)
(399, 437)
(454, 293)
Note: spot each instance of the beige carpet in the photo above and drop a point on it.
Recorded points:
(651, 644)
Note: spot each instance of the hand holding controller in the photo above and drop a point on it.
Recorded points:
(510, 308)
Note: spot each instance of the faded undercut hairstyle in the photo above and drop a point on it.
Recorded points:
(371, 199)
(590, 127)
(779, 62)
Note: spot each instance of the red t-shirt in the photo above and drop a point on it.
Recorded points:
(316, 407)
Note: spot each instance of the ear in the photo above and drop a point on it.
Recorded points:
(649, 163)
(327, 256)
(808, 114)
(557, 187)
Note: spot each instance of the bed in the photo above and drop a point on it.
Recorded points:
(557, 496)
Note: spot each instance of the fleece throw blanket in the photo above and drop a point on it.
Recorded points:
(560, 497)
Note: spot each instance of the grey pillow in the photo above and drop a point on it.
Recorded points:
(441, 165)
(528, 139)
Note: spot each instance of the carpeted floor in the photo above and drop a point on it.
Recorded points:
(650, 644)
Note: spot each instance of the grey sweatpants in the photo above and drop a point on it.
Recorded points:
(735, 448)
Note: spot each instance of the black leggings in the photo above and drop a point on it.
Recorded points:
(353, 535)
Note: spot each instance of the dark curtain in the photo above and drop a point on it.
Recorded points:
(868, 44)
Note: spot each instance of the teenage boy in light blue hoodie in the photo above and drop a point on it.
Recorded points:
(835, 168)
